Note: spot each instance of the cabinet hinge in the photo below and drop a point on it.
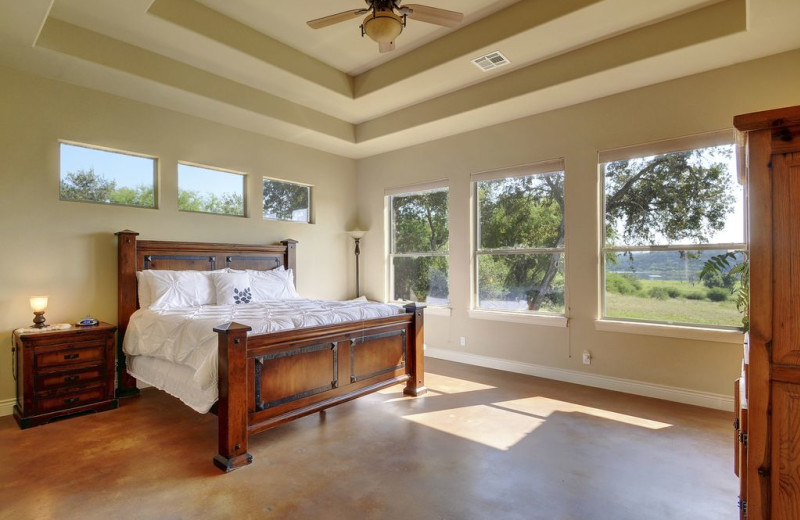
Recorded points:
(736, 424)
(743, 439)
(743, 507)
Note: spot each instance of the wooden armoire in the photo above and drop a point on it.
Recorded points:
(769, 438)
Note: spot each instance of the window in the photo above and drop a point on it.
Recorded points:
(286, 201)
(210, 190)
(519, 243)
(669, 207)
(418, 253)
(108, 177)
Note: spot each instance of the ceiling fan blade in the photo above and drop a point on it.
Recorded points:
(336, 18)
(386, 47)
(423, 13)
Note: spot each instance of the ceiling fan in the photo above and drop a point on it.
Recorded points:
(386, 18)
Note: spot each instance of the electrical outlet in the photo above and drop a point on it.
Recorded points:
(462, 341)
(587, 357)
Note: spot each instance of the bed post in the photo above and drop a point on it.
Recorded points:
(232, 405)
(126, 305)
(290, 257)
(416, 356)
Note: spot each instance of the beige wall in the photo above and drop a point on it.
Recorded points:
(683, 107)
(67, 249)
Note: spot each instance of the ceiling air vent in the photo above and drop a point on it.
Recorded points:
(491, 61)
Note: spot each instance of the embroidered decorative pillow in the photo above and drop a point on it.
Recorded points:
(170, 289)
(232, 288)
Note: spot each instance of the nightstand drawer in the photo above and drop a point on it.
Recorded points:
(75, 377)
(78, 353)
(65, 401)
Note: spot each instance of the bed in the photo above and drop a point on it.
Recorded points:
(267, 379)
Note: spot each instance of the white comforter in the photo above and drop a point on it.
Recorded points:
(185, 336)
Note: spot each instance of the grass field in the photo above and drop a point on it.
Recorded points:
(678, 310)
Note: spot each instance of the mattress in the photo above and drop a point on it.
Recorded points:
(176, 349)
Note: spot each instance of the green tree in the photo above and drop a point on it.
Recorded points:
(677, 197)
(282, 199)
(87, 185)
(139, 196)
(226, 204)
(522, 213)
(420, 226)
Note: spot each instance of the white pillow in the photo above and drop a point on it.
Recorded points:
(232, 288)
(176, 288)
(273, 285)
(144, 290)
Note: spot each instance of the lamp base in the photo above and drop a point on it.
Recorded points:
(38, 320)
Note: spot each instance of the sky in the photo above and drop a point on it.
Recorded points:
(132, 170)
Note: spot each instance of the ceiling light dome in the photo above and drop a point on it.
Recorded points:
(383, 26)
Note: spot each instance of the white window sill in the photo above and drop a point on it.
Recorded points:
(438, 311)
(670, 331)
(519, 317)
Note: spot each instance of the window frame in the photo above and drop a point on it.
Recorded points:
(534, 316)
(681, 144)
(76, 144)
(190, 164)
(389, 194)
(309, 187)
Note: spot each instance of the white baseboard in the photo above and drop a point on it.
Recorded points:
(668, 393)
(7, 407)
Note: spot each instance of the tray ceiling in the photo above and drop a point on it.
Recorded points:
(256, 65)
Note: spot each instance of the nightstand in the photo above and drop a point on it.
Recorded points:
(64, 372)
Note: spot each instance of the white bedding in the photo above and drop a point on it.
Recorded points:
(183, 344)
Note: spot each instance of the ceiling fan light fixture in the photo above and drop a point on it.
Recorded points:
(383, 26)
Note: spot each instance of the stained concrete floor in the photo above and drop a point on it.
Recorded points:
(483, 444)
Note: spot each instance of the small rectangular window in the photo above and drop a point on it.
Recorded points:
(668, 210)
(210, 190)
(520, 237)
(286, 201)
(108, 177)
(419, 254)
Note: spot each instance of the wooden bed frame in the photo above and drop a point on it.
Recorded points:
(267, 380)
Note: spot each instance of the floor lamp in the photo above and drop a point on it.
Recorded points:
(357, 235)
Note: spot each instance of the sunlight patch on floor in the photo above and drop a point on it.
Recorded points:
(544, 407)
(493, 427)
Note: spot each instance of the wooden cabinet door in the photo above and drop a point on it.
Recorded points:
(786, 259)
(785, 477)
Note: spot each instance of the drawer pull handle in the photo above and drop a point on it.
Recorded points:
(70, 379)
(72, 400)
(71, 356)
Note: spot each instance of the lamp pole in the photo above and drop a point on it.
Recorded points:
(358, 252)
(357, 235)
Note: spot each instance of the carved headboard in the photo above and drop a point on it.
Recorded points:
(135, 255)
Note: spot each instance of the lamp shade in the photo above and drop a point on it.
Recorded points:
(357, 233)
(383, 26)
(38, 303)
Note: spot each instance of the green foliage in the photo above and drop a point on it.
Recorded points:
(226, 204)
(677, 197)
(86, 185)
(718, 294)
(673, 292)
(519, 213)
(659, 293)
(418, 278)
(729, 264)
(696, 295)
(623, 283)
(282, 199)
(420, 226)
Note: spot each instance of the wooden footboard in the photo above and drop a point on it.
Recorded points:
(295, 373)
